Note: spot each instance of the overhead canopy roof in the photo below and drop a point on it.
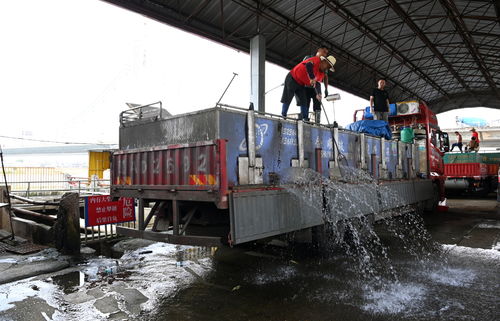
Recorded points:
(445, 52)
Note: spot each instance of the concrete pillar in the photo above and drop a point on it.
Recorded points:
(258, 72)
(67, 227)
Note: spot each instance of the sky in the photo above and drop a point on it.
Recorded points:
(67, 68)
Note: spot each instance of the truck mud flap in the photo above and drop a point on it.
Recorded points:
(260, 214)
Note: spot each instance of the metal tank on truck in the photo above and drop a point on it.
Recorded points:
(228, 175)
(431, 142)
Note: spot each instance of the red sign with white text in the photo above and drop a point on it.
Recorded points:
(100, 210)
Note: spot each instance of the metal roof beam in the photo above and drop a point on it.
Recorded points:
(424, 17)
(404, 16)
(352, 19)
(461, 28)
(497, 9)
(198, 9)
(293, 26)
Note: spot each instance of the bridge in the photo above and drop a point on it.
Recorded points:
(445, 52)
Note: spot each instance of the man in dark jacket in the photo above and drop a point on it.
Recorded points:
(379, 102)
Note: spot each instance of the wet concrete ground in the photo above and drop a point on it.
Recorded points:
(458, 281)
(455, 279)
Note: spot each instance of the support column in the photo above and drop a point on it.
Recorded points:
(140, 204)
(258, 72)
(401, 155)
(300, 142)
(362, 142)
(383, 157)
(251, 146)
(175, 216)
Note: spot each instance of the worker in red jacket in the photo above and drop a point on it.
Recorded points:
(311, 92)
(308, 73)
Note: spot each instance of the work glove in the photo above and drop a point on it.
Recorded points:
(326, 92)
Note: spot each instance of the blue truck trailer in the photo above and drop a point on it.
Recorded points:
(222, 175)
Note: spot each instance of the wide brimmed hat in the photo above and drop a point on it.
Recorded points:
(472, 129)
(331, 60)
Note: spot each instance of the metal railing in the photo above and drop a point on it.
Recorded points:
(82, 186)
(98, 233)
(102, 232)
(29, 178)
(150, 111)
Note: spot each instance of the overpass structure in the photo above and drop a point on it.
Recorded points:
(445, 52)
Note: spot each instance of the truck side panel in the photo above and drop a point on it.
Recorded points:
(465, 170)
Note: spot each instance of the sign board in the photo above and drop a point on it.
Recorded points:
(100, 210)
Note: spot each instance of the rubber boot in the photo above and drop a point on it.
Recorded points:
(317, 116)
(304, 111)
(284, 109)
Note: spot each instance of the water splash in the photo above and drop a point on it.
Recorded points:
(451, 276)
(349, 206)
(394, 298)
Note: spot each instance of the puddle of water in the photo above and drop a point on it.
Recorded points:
(69, 282)
(17, 291)
(280, 274)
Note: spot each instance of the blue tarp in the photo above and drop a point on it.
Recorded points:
(373, 127)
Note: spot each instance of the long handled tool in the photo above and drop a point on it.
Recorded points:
(9, 206)
(341, 156)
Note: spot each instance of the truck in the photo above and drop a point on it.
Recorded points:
(471, 173)
(221, 176)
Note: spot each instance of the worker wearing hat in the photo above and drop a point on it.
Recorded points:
(311, 92)
(308, 73)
